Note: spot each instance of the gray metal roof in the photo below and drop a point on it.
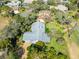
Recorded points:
(37, 34)
(38, 27)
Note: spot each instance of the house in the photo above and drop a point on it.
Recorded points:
(61, 8)
(14, 5)
(44, 16)
(28, 1)
(61, 1)
(37, 33)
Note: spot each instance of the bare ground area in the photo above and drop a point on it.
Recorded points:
(25, 45)
(3, 22)
(73, 50)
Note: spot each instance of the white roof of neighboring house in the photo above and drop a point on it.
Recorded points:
(62, 8)
(28, 1)
(13, 3)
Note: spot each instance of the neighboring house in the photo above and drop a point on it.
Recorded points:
(62, 1)
(37, 34)
(14, 5)
(61, 8)
(28, 1)
(44, 15)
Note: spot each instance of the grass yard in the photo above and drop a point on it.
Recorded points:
(53, 43)
(57, 46)
(70, 46)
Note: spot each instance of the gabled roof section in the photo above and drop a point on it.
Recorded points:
(38, 27)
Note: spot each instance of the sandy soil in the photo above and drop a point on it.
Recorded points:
(3, 22)
(25, 45)
(73, 50)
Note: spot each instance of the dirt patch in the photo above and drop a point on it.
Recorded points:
(25, 45)
(73, 50)
(4, 21)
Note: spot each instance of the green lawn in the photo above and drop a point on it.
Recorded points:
(57, 27)
(57, 46)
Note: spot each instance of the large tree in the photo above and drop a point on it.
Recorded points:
(38, 5)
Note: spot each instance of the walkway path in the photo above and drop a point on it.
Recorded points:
(25, 45)
(3, 22)
(73, 50)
